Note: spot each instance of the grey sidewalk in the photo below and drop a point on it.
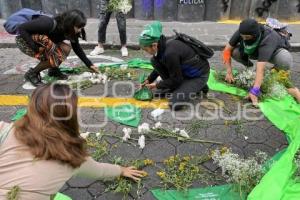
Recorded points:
(213, 34)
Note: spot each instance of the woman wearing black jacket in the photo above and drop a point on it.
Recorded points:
(183, 72)
(43, 37)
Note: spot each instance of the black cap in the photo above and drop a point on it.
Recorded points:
(249, 27)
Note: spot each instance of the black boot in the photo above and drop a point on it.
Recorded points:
(205, 89)
(33, 77)
(55, 72)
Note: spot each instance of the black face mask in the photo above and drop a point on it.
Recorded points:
(249, 42)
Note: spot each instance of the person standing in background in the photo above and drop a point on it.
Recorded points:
(106, 9)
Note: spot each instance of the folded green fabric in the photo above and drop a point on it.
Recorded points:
(19, 114)
(125, 114)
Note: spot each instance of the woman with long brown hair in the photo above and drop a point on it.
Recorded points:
(41, 151)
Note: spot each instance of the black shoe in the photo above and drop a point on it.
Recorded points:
(33, 77)
(55, 72)
(205, 89)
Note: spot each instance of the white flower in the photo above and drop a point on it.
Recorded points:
(127, 132)
(104, 79)
(123, 67)
(244, 172)
(278, 90)
(86, 75)
(141, 141)
(183, 133)
(124, 6)
(85, 135)
(144, 128)
(246, 138)
(98, 134)
(157, 125)
(176, 130)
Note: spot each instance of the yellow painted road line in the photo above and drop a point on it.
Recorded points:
(262, 22)
(22, 100)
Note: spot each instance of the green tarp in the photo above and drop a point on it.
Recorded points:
(223, 192)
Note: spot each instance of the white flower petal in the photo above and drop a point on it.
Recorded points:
(85, 135)
(141, 141)
(158, 125)
(183, 133)
(144, 128)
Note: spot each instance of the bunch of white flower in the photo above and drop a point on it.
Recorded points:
(244, 172)
(277, 90)
(246, 78)
(124, 6)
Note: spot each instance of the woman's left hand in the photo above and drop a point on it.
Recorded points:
(151, 86)
(95, 69)
(253, 98)
(132, 172)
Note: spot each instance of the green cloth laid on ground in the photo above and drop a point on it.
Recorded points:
(60, 196)
(222, 192)
(133, 63)
(19, 114)
(127, 114)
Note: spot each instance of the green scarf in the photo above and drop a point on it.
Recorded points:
(150, 34)
(250, 49)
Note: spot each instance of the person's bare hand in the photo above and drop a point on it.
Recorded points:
(151, 86)
(133, 173)
(229, 77)
(144, 84)
(253, 99)
(95, 69)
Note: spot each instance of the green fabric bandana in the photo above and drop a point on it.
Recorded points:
(250, 49)
(150, 34)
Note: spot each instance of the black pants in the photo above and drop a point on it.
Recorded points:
(186, 92)
(104, 19)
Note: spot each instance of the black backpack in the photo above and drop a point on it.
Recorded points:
(22, 16)
(199, 47)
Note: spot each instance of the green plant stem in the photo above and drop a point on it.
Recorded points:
(187, 139)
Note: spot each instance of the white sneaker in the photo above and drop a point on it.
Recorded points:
(97, 50)
(124, 51)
